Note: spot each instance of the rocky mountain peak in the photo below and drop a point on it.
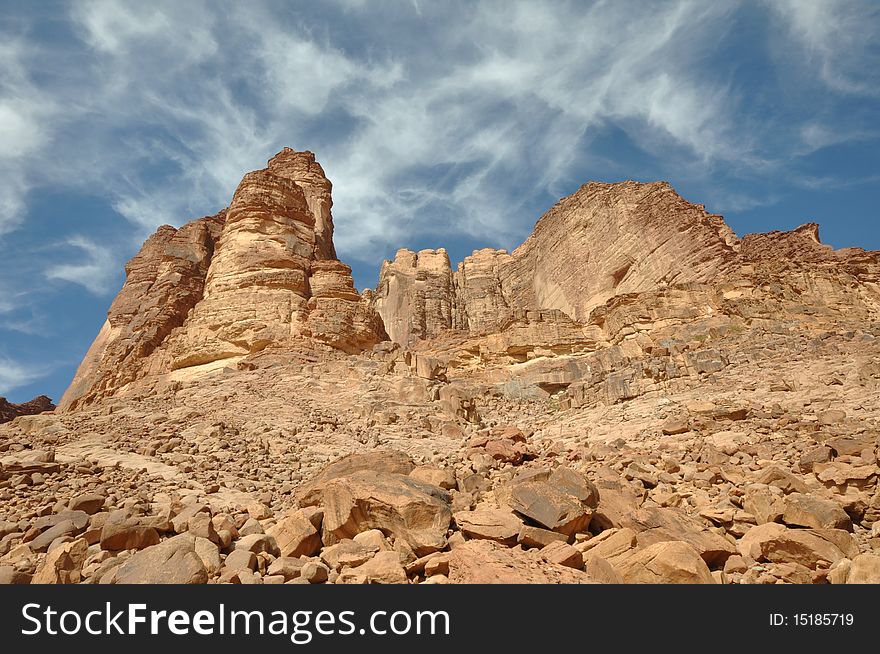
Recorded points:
(261, 273)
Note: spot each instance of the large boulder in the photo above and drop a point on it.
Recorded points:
(668, 562)
(174, 561)
(778, 544)
(380, 461)
(810, 511)
(660, 524)
(485, 562)
(395, 504)
(550, 507)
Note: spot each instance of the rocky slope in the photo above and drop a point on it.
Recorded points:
(633, 395)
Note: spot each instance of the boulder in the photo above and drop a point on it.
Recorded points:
(550, 507)
(64, 564)
(864, 569)
(491, 524)
(286, 566)
(810, 511)
(530, 536)
(563, 554)
(610, 545)
(658, 524)
(10, 575)
(64, 528)
(89, 503)
(347, 553)
(209, 553)
(174, 561)
(486, 562)
(377, 461)
(668, 562)
(127, 536)
(617, 501)
(778, 544)
(415, 512)
(258, 543)
(575, 484)
(442, 477)
(240, 560)
(383, 568)
(296, 535)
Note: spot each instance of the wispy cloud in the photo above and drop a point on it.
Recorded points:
(836, 38)
(423, 114)
(93, 272)
(24, 113)
(14, 374)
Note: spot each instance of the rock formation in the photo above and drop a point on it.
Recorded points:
(633, 395)
(602, 241)
(262, 272)
(10, 411)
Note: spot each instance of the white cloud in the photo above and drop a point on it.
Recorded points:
(839, 39)
(14, 374)
(93, 273)
(24, 115)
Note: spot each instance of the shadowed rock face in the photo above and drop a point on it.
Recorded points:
(10, 411)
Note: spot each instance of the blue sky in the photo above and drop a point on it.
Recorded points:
(449, 124)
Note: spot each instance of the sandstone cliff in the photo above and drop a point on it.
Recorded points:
(602, 241)
(261, 272)
(606, 265)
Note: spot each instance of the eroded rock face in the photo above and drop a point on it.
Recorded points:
(416, 296)
(602, 241)
(163, 283)
(262, 272)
